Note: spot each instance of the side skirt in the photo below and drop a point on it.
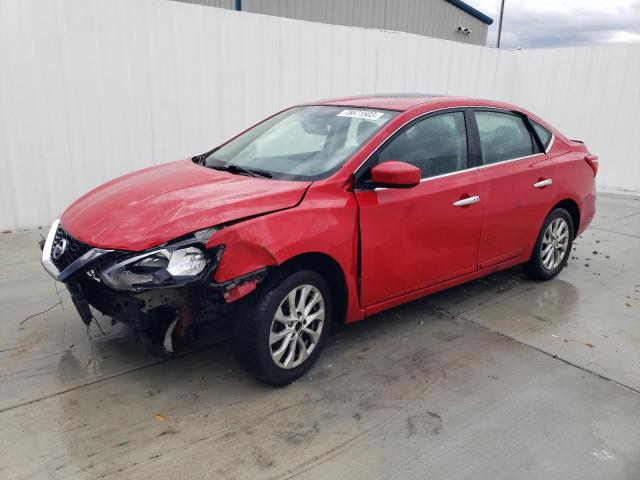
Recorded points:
(379, 307)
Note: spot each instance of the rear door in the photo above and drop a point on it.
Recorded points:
(415, 237)
(517, 177)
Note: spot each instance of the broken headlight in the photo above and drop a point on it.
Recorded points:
(168, 266)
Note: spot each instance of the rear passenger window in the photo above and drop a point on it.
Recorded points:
(503, 136)
(436, 145)
(543, 134)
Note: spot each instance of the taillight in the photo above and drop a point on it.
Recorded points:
(593, 162)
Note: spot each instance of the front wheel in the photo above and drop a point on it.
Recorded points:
(553, 246)
(281, 334)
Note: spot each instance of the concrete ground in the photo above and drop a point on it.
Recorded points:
(502, 378)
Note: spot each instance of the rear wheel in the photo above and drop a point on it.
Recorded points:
(553, 246)
(281, 334)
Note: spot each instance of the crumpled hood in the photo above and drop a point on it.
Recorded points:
(151, 206)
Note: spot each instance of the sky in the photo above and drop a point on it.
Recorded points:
(562, 23)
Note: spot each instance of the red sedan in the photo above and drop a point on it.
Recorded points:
(324, 213)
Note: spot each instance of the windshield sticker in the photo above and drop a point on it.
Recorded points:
(365, 114)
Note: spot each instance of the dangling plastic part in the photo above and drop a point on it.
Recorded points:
(168, 339)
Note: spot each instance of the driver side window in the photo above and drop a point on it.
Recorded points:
(436, 145)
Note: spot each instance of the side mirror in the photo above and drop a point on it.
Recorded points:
(394, 174)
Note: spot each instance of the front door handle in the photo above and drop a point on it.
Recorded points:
(543, 183)
(466, 201)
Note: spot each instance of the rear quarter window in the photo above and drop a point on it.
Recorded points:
(543, 134)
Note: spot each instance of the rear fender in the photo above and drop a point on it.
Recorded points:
(576, 182)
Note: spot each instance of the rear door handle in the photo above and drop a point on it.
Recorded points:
(543, 183)
(466, 201)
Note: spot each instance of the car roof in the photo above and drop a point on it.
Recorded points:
(402, 102)
(406, 101)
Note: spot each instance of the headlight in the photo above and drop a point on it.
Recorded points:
(186, 261)
(168, 266)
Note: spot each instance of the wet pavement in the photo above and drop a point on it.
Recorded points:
(500, 378)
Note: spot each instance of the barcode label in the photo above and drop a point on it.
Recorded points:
(365, 114)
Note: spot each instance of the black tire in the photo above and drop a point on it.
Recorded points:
(252, 326)
(535, 268)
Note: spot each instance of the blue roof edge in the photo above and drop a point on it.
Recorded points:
(471, 11)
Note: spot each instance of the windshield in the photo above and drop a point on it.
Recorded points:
(302, 143)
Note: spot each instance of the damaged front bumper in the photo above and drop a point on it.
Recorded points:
(162, 312)
(159, 316)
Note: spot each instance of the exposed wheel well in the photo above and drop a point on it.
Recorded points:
(571, 207)
(331, 271)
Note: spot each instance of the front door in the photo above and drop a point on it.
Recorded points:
(416, 237)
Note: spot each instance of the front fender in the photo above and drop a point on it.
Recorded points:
(324, 222)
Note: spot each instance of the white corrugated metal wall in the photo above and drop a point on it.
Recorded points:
(91, 90)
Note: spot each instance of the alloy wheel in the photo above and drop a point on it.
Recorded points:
(296, 326)
(554, 244)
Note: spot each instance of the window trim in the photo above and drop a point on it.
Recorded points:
(553, 139)
(471, 148)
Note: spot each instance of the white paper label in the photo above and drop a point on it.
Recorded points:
(365, 114)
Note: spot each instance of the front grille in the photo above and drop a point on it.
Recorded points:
(74, 249)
